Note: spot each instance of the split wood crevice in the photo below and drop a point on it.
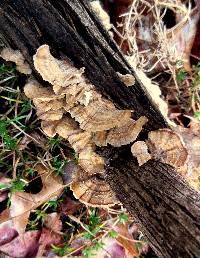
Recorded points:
(164, 204)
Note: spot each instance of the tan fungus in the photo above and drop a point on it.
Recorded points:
(93, 190)
(16, 56)
(73, 109)
(99, 115)
(127, 133)
(168, 147)
(49, 127)
(56, 72)
(99, 138)
(103, 16)
(34, 90)
(127, 79)
(140, 150)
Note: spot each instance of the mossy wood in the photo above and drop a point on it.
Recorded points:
(165, 206)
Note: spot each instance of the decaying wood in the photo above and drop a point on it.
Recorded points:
(167, 208)
(71, 30)
(164, 205)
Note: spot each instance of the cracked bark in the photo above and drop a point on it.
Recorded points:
(167, 208)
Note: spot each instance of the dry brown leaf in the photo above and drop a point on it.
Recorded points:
(22, 203)
(22, 246)
(50, 233)
(16, 56)
(7, 234)
(126, 239)
(69, 206)
(111, 249)
(149, 40)
(52, 221)
(5, 217)
(182, 37)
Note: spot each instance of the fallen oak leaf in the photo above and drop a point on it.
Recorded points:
(111, 248)
(7, 234)
(69, 206)
(47, 239)
(125, 239)
(24, 246)
(22, 203)
(5, 217)
(51, 234)
(52, 221)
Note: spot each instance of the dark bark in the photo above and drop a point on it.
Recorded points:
(163, 204)
(72, 31)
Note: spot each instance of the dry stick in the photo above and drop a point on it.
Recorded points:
(166, 207)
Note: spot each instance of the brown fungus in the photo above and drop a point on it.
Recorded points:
(49, 105)
(82, 143)
(34, 90)
(74, 110)
(168, 147)
(16, 56)
(99, 115)
(127, 133)
(127, 79)
(99, 138)
(57, 72)
(140, 150)
(49, 127)
(93, 190)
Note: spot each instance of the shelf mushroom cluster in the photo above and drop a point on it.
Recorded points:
(179, 148)
(73, 109)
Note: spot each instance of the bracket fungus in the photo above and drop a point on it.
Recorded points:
(99, 115)
(127, 79)
(179, 148)
(89, 189)
(127, 133)
(16, 56)
(164, 145)
(73, 109)
(168, 147)
(140, 150)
